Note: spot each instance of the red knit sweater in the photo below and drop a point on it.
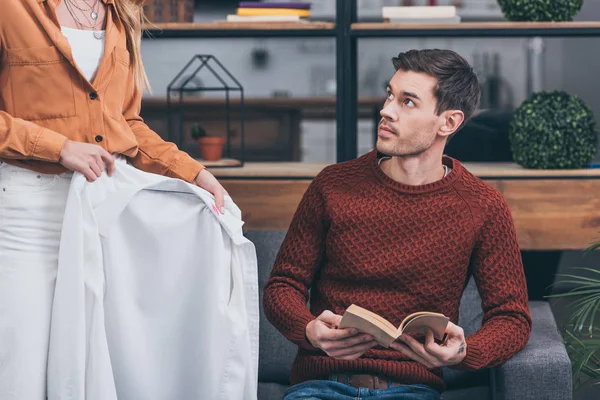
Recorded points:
(360, 237)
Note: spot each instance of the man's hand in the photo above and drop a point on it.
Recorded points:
(87, 159)
(208, 182)
(431, 354)
(341, 344)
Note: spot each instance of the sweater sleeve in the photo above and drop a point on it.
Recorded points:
(500, 279)
(303, 251)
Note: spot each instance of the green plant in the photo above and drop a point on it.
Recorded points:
(582, 333)
(198, 132)
(540, 10)
(553, 130)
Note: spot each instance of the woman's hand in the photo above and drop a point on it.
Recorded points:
(208, 182)
(87, 159)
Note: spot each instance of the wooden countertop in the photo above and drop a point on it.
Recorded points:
(290, 170)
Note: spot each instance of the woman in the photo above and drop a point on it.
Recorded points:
(71, 80)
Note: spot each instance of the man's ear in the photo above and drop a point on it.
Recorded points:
(452, 121)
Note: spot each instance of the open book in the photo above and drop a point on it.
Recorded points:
(386, 333)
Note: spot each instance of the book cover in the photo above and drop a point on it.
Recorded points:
(263, 18)
(293, 5)
(454, 20)
(419, 12)
(250, 12)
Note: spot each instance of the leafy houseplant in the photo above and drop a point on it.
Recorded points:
(553, 130)
(582, 334)
(540, 10)
(211, 147)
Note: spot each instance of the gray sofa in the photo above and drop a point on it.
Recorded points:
(541, 371)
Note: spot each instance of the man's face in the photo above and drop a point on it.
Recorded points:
(409, 125)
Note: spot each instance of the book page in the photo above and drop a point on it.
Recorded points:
(418, 322)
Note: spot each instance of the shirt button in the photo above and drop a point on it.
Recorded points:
(93, 95)
(98, 138)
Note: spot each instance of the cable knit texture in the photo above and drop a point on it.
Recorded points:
(360, 237)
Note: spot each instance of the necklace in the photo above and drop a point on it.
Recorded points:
(446, 170)
(71, 6)
(93, 13)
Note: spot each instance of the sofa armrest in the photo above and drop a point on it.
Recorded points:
(542, 370)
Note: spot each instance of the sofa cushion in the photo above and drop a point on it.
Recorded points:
(476, 392)
(276, 353)
(470, 311)
(470, 317)
(271, 391)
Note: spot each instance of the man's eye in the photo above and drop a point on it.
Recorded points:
(409, 103)
(390, 96)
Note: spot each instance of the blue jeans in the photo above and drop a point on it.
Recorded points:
(331, 390)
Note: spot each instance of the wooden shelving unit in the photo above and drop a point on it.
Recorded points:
(553, 210)
(346, 32)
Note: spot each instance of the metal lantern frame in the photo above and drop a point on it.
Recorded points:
(182, 88)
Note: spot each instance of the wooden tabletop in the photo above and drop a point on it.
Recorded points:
(291, 170)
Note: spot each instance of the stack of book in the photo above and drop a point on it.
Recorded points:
(169, 11)
(421, 15)
(270, 12)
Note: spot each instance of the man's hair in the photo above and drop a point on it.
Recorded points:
(457, 88)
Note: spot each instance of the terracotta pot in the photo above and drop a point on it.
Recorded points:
(211, 148)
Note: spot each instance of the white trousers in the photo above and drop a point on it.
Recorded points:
(32, 206)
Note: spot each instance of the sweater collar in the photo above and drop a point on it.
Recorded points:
(442, 184)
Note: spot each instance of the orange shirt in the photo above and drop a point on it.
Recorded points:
(45, 99)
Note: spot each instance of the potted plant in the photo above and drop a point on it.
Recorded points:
(582, 334)
(540, 10)
(553, 130)
(211, 147)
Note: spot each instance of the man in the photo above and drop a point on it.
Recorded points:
(399, 230)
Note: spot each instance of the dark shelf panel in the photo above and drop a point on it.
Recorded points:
(478, 29)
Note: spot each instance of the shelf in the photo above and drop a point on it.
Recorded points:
(223, 163)
(220, 29)
(488, 171)
(258, 102)
(313, 108)
(478, 29)
(272, 170)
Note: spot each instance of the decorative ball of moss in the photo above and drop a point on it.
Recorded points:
(553, 131)
(540, 10)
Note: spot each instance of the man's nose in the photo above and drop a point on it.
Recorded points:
(389, 112)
